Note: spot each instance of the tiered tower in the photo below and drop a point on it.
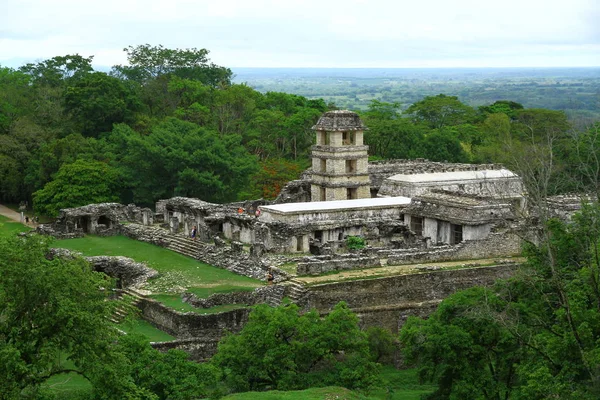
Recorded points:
(339, 159)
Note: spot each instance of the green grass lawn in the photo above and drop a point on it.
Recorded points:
(69, 386)
(8, 227)
(178, 273)
(398, 385)
(145, 328)
(326, 393)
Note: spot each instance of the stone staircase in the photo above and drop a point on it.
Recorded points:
(128, 305)
(296, 292)
(183, 245)
(275, 295)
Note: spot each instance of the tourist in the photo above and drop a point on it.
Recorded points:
(194, 232)
(257, 213)
(270, 277)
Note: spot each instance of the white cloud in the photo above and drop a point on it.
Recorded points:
(376, 33)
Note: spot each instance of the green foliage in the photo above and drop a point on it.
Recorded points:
(169, 375)
(97, 101)
(441, 110)
(148, 62)
(49, 307)
(355, 242)
(180, 158)
(462, 348)
(273, 175)
(280, 349)
(78, 184)
(381, 344)
(57, 70)
(533, 336)
(171, 123)
(506, 107)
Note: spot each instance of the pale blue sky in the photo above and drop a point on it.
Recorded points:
(311, 33)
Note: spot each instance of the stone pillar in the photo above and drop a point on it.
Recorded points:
(174, 224)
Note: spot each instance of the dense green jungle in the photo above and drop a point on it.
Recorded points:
(171, 123)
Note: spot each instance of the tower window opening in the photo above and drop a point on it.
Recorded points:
(350, 166)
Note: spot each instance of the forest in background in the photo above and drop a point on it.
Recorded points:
(576, 91)
(172, 123)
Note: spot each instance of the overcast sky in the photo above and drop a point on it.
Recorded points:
(311, 33)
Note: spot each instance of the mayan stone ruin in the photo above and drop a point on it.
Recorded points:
(413, 216)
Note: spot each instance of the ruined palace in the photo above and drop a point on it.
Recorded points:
(411, 214)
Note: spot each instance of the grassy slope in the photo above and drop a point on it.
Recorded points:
(399, 385)
(145, 328)
(177, 272)
(329, 393)
(8, 227)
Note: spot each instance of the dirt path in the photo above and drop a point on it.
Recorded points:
(7, 212)
(402, 269)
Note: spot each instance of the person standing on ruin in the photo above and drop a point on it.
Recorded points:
(270, 277)
(194, 232)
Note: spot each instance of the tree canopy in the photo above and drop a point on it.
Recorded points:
(534, 336)
(279, 348)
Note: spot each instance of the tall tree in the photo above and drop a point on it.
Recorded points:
(281, 349)
(441, 110)
(97, 101)
(51, 309)
(80, 183)
(147, 63)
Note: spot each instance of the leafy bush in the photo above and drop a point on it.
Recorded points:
(355, 242)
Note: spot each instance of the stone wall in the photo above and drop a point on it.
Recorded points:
(100, 219)
(380, 170)
(495, 245)
(257, 296)
(190, 324)
(200, 349)
(324, 264)
(387, 301)
(130, 274)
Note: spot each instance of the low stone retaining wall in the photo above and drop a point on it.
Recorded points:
(127, 271)
(192, 325)
(388, 301)
(200, 349)
(130, 274)
(322, 265)
(495, 245)
(258, 296)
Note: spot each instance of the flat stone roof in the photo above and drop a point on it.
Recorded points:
(454, 176)
(316, 206)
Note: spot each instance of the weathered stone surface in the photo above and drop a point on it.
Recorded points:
(339, 120)
(249, 298)
(387, 301)
(100, 219)
(190, 324)
(128, 272)
(381, 170)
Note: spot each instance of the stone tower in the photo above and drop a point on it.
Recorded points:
(339, 159)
